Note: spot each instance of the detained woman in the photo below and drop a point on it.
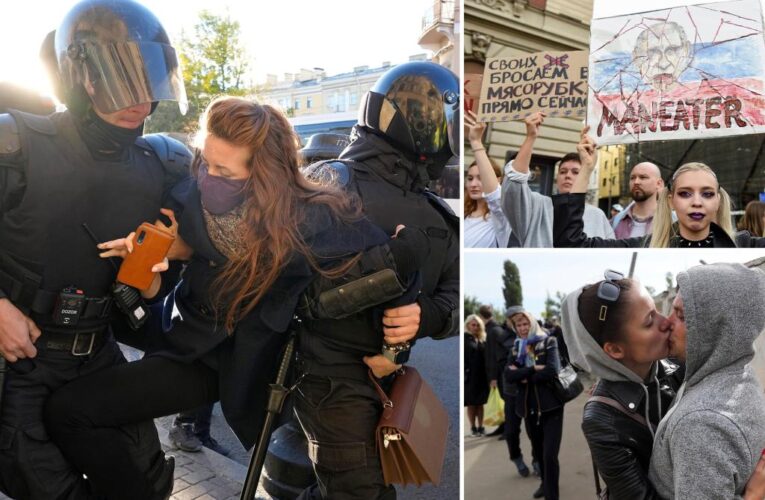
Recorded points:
(257, 233)
(701, 205)
(613, 331)
(533, 364)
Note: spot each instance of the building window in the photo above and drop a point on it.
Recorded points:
(309, 103)
(297, 103)
(354, 98)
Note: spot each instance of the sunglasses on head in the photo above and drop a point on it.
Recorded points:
(608, 291)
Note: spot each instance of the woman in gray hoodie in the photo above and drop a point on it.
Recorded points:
(709, 442)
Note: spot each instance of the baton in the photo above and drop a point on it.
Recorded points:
(277, 392)
(3, 369)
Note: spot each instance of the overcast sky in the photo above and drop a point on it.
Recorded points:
(280, 36)
(565, 270)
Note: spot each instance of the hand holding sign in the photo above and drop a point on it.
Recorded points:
(533, 123)
(588, 157)
(474, 129)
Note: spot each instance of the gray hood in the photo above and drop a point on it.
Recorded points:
(724, 314)
(584, 352)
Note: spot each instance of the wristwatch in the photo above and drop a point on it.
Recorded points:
(396, 353)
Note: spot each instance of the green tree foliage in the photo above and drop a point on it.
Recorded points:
(214, 62)
(511, 285)
(552, 305)
(471, 305)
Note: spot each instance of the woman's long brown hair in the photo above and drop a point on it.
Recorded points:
(470, 205)
(276, 205)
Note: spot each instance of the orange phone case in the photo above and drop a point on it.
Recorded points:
(150, 246)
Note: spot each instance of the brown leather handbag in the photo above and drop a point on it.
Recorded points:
(411, 434)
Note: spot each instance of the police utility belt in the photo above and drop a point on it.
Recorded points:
(66, 308)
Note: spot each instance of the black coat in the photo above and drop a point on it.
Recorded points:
(247, 360)
(568, 230)
(476, 385)
(621, 446)
(535, 392)
(497, 348)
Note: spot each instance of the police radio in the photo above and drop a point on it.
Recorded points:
(129, 301)
(127, 298)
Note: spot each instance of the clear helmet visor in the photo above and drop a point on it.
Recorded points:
(452, 108)
(432, 116)
(124, 74)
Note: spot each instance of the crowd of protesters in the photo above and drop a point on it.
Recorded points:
(690, 209)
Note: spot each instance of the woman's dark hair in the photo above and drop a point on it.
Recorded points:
(610, 329)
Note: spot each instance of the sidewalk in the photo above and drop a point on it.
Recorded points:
(205, 475)
(490, 474)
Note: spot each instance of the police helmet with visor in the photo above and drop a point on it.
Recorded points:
(416, 106)
(118, 53)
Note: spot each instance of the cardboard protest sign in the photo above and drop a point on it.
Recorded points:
(680, 73)
(472, 89)
(515, 87)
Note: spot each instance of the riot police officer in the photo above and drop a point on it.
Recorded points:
(67, 181)
(407, 131)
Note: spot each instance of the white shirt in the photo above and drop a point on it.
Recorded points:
(492, 231)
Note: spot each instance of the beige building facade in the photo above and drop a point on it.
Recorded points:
(495, 28)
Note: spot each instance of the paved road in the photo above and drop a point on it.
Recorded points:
(490, 474)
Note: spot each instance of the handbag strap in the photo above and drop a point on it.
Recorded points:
(597, 478)
(386, 401)
(618, 406)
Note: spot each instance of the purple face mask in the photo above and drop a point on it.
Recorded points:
(219, 195)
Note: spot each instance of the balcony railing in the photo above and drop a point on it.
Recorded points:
(441, 11)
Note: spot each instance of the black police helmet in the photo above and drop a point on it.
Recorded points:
(116, 53)
(416, 106)
(324, 146)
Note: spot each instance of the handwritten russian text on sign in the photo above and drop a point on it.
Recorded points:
(680, 73)
(553, 82)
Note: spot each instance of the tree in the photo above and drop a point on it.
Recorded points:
(214, 62)
(669, 279)
(553, 305)
(471, 305)
(511, 285)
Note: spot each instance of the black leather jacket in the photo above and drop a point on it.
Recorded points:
(620, 446)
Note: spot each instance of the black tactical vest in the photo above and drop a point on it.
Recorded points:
(65, 188)
(388, 206)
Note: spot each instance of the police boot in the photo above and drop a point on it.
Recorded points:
(164, 483)
(161, 478)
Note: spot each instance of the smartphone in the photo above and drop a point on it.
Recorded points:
(150, 246)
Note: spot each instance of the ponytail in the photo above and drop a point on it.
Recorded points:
(723, 214)
(663, 230)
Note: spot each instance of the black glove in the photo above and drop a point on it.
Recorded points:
(410, 249)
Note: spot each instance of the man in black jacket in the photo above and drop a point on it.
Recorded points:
(408, 129)
(496, 354)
